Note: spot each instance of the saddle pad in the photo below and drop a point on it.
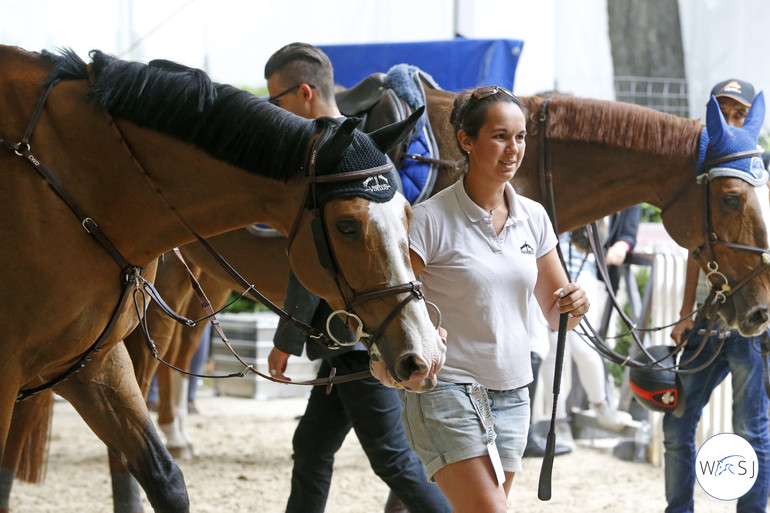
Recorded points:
(418, 177)
(262, 230)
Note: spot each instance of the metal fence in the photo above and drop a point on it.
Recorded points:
(664, 94)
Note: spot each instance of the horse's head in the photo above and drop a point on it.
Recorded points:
(358, 228)
(738, 218)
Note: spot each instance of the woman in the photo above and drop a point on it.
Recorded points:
(481, 251)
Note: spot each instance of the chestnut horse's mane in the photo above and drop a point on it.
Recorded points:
(227, 123)
(617, 124)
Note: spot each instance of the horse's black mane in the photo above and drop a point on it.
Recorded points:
(228, 123)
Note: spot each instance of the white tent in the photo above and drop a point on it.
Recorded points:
(566, 43)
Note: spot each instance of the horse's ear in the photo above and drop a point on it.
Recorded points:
(335, 146)
(756, 115)
(715, 124)
(340, 139)
(389, 136)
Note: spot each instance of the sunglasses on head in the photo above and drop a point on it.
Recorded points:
(273, 99)
(487, 91)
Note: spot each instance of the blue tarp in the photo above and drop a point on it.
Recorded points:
(455, 64)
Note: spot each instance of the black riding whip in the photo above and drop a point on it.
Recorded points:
(544, 485)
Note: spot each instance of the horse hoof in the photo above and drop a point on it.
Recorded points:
(179, 453)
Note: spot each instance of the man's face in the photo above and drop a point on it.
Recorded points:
(292, 100)
(733, 111)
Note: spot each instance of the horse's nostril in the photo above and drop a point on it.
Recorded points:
(759, 317)
(408, 365)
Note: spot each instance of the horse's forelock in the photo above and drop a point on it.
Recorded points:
(618, 124)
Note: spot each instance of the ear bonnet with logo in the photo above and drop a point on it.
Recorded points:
(719, 139)
(366, 151)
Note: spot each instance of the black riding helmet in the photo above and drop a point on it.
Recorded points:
(657, 390)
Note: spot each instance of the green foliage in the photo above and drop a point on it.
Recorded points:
(243, 304)
(650, 214)
(764, 141)
(261, 91)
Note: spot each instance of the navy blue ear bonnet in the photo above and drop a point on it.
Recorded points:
(719, 139)
(362, 154)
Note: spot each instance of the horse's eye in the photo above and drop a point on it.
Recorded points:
(347, 228)
(732, 201)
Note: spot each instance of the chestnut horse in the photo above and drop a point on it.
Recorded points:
(141, 154)
(604, 156)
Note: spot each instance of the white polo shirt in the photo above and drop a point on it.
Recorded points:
(482, 282)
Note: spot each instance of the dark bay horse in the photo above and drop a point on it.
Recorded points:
(604, 156)
(141, 154)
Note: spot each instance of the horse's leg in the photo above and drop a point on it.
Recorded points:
(106, 394)
(171, 282)
(173, 386)
(26, 448)
(168, 419)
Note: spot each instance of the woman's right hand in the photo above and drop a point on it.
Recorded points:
(682, 326)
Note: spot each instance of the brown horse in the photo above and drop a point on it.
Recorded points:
(141, 154)
(604, 156)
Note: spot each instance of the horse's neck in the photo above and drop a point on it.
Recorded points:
(211, 196)
(592, 181)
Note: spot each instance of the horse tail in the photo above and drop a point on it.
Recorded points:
(33, 456)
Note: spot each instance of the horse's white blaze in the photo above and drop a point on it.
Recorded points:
(387, 218)
(422, 337)
(763, 198)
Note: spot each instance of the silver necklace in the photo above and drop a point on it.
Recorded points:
(492, 210)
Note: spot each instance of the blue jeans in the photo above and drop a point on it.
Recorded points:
(750, 418)
(374, 412)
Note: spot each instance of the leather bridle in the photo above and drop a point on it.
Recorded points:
(327, 256)
(710, 238)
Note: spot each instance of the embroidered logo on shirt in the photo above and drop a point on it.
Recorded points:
(526, 249)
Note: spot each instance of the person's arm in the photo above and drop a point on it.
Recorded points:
(417, 264)
(556, 295)
(623, 239)
(688, 301)
(288, 340)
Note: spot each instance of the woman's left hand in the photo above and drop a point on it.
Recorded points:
(572, 299)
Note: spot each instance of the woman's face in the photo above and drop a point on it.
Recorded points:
(498, 150)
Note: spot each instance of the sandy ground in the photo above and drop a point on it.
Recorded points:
(244, 464)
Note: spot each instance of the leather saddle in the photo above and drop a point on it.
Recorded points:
(378, 106)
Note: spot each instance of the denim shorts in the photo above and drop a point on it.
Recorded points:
(443, 427)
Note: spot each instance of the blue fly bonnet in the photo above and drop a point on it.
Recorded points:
(719, 140)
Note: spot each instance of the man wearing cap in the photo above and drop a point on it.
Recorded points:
(734, 97)
(738, 355)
